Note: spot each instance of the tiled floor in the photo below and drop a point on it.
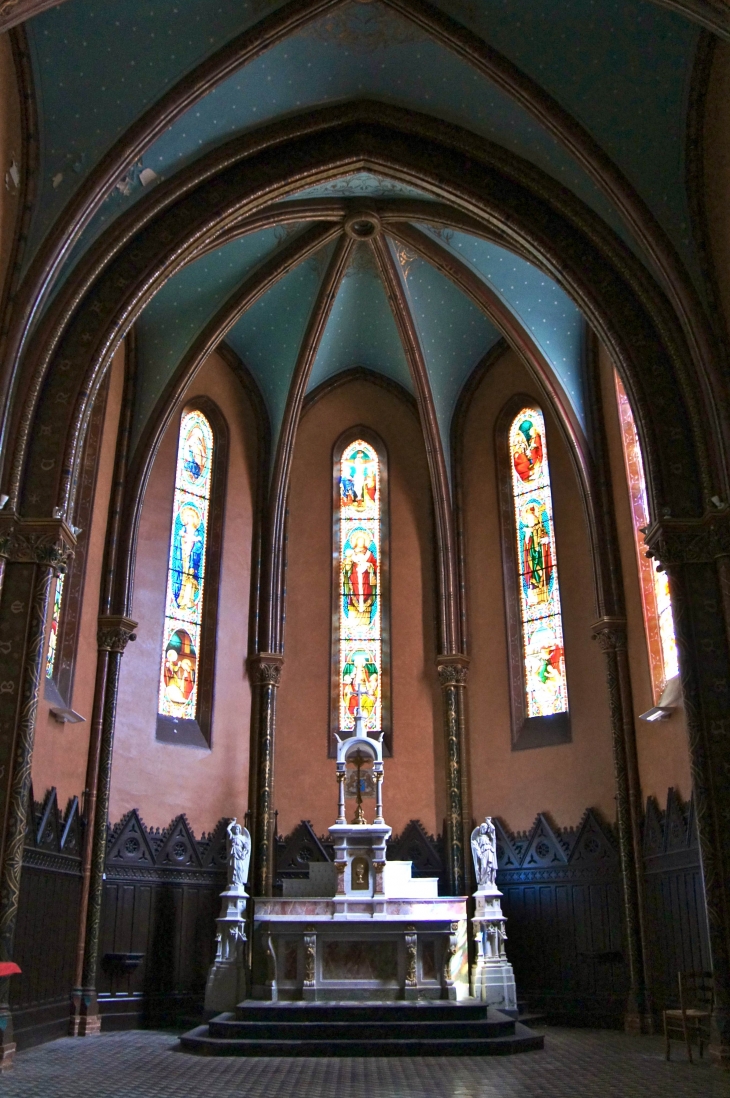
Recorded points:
(574, 1064)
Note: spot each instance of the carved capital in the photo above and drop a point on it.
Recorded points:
(265, 668)
(452, 670)
(36, 541)
(610, 634)
(689, 541)
(114, 632)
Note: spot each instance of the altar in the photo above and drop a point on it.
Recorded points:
(361, 927)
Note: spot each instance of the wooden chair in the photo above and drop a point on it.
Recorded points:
(691, 1023)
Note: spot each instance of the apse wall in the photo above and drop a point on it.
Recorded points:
(662, 746)
(60, 750)
(305, 786)
(159, 779)
(564, 779)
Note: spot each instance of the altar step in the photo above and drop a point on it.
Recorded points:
(358, 1029)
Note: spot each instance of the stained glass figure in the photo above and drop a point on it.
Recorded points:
(655, 598)
(178, 693)
(360, 617)
(55, 619)
(540, 616)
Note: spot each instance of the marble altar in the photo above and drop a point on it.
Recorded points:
(360, 927)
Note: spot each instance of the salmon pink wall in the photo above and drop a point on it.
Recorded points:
(662, 746)
(162, 780)
(567, 778)
(59, 755)
(305, 786)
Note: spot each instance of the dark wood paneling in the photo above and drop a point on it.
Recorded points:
(675, 898)
(45, 937)
(562, 899)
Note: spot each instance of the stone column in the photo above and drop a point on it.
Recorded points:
(610, 632)
(452, 672)
(114, 633)
(112, 636)
(694, 553)
(265, 670)
(34, 552)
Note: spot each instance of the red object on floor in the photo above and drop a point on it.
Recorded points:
(9, 968)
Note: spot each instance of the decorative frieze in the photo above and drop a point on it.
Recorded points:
(114, 632)
(265, 668)
(452, 670)
(689, 541)
(610, 632)
(38, 541)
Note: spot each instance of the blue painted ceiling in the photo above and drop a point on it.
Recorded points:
(620, 67)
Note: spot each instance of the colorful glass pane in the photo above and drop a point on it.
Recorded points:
(542, 628)
(178, 694)
(655, 598)
(55, 619)
(359, 587)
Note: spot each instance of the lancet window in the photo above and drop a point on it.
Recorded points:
(532, 590)
(360, 642)
(185, 697)
(655, 599)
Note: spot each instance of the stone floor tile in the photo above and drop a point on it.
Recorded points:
(573, 1064)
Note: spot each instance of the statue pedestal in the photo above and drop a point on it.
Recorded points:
(226, 985)
(493, 980)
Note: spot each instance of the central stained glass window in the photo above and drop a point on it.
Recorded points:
(543, 654)
(360, 613)
(178, 694)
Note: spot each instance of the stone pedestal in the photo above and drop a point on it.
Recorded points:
(226, 985)
(493, 979)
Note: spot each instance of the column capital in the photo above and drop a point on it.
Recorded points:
(114, 631)
(265, 668)
(36, 541)
(452, 669)
(610, 632)
(689, 540)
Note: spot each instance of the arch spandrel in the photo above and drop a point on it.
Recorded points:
(646, 343)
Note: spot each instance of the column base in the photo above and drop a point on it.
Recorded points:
(719, 1048)
(7, 1042)
(84, 1020)
(638, 1024)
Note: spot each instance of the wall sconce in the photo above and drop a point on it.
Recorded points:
(671, 699)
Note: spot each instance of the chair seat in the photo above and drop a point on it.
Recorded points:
(691, 1013)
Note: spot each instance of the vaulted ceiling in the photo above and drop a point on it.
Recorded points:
(593, 94)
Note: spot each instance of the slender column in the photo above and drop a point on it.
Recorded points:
(611, 635)
(265, 669)
(694, 553)
(34, 553)
(114, 633)
(452, 672)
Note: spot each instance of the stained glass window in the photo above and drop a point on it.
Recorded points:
(360, 587)
(178, 696)
(543, 656)
(55, 619)
(655, 599)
